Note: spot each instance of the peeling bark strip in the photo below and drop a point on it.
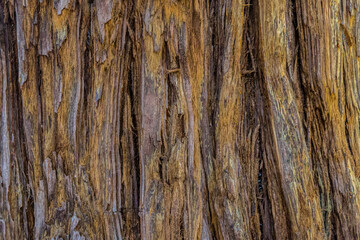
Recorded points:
(171, 119)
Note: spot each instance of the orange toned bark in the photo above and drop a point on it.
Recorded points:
(177, 119)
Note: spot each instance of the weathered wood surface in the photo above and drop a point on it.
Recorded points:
(177, 119)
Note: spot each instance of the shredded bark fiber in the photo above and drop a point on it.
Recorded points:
(179, 119)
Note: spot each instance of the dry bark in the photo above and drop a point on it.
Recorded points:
(177, 119)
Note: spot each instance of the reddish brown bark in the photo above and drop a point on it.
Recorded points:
(174, 119)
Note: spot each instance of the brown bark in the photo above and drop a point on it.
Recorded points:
(171, 119)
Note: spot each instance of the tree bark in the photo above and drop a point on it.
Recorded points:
(176, 119)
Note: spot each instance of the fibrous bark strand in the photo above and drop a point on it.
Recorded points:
(176, 119)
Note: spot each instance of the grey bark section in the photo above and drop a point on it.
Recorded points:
(20, 39)
(59, 5)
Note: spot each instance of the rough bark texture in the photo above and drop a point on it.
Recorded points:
(179, 119)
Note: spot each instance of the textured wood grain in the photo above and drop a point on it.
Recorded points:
(176, 119)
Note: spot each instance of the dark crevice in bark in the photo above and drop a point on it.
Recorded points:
(135, 166)
(129, 149)
(207, 140)
(8, 35)
(212, 89)
(216, 60)
(253, 83)
(18, 128)
(217, 35)
(123, 146)
(302, 90)
(80, 45)
(260, 193)
(268, 135)
(88, 85)
(345, 112)
(39, 92)
(297, 69)
(264, 205)
(170, 94)
(305, 106)
(182, 230)
(210, 96)
(206, 157)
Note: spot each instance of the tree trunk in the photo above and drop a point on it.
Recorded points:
(179, 119)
